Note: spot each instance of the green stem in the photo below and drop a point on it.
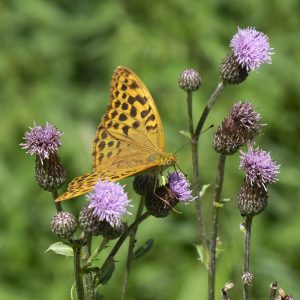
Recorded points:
(214, 227)
(110, 258)
(95, 254)
(88, 277)
(196, 180)
(248, 224)
(130, 249)
(210, 103)
(57, 204)
(77, 272)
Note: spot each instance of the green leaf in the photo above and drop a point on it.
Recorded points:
(225, 200)
(105, 278)
(73, 292)
(143, 249)
(185, 133)
(203, 190)
(61, 249)
(219, 248)
(202, 254)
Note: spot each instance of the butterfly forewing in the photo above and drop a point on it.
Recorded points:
(129, 136)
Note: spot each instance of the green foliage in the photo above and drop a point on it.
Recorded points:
(56, 60)
(61, 249)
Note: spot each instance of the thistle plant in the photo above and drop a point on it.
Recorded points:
(104, 220)
(260, 171)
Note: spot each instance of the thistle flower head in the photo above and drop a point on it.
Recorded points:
(251, 48)
(244, 114)
(109, 201)
(259, 167)
(42, 141)
(238, 129)
(180, 186)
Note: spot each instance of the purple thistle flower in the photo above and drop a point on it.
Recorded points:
(180, 186)
(259, 167)
(251, 48)
(244, 114)
(109, 201)
(42, 140)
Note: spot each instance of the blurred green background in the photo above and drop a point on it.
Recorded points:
(56, 61)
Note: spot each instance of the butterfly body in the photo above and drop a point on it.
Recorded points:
(130, 138)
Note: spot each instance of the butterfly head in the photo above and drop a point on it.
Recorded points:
(168, 159)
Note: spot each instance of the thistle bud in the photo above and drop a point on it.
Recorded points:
(113, 232)
(63, 224)
(50, 173)
(247, 278)
(189, 80)
(144, 183)
(161, 203)
(252, 200)
(231, 71)
(89, 222)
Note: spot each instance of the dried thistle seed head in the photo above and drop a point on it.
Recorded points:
(161, 203)
(144, 183)
(189, 80)
(50, 173)
(231, 71)
(252, 200)
(63, 224)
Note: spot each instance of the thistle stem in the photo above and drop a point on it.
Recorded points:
(210, 103)
(196, 180)
(77, 272)
(248, 224)
(95, 254)
(214, 227)
(131, 248)
(57, 204)
(88, 277)
(225, 295)
(110, 258)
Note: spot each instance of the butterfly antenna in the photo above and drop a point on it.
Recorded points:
(179, 170)
(211, 126)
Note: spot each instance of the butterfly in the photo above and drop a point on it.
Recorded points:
(130, 138)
